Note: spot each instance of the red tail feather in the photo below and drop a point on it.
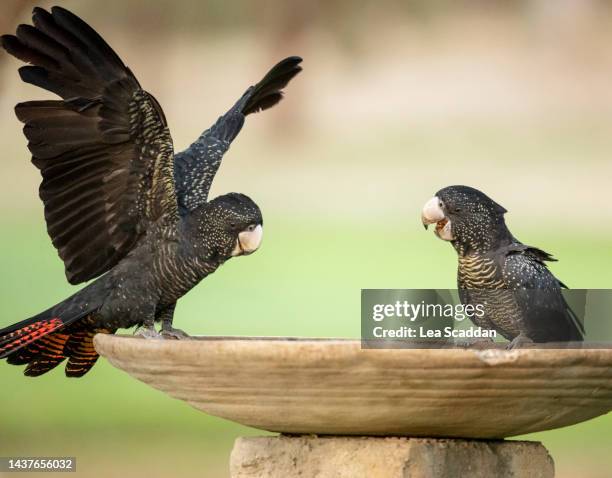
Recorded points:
(27, 334)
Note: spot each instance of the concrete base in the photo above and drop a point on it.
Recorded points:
(371, 457)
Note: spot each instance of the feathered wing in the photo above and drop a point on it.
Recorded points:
(538, 295)
(195, 168)
(104, 150)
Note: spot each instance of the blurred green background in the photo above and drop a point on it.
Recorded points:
(397, 99)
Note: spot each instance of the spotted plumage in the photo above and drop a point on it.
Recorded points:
(120, 206)
(522, 299)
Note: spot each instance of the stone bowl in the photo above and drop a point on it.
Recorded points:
(333, 386)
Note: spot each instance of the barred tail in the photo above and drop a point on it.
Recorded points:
(44, 342)
(30, 332)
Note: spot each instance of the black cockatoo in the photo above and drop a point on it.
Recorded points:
(118, 202)
(522, 299)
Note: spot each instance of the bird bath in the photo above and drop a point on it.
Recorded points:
(348, 412)
(334, 387)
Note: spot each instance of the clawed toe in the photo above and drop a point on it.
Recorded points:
(175, 334)
(518, 342)
(147, 333)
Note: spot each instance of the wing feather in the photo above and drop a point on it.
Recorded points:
(537, 292)
(196, 167)
(104, 150)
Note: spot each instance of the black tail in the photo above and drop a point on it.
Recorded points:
(268, 91)
(44, 341)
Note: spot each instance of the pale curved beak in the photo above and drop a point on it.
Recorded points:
(248, 241)
(433, 214)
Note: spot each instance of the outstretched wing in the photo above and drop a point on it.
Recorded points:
(538, 295)
(195, 168)
(104, 151)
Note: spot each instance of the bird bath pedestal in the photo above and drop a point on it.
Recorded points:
(344, 411)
